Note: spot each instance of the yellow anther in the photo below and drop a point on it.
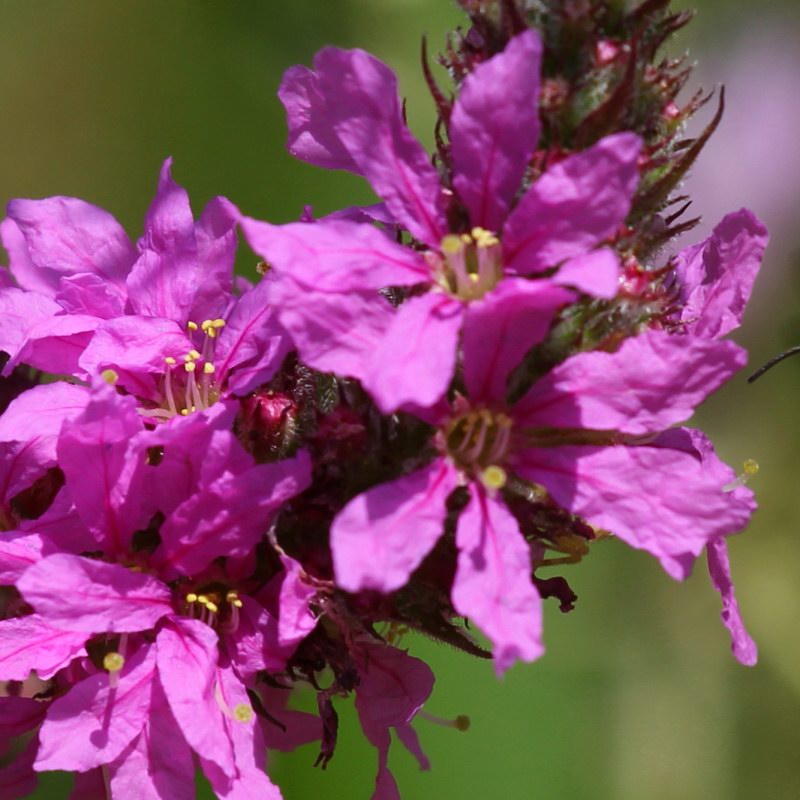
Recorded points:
(212, 607)
(484, 238)
(750, 466)
(192, 326)
(218, 323)
(202, 599)
(232, 595)
(206, 324)
(451, 244)
(211, 333)
(494, 477)
(462, 722)
(474, 277)
(194, 355)
(110, 376)
(184, 412)
(191, 597)
(113, 662)
(169, 360)
(466, 238)
(238, 603)
(243, 713)
(209, 368)
(190, 366)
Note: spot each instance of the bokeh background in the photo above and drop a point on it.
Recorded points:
(638, 697)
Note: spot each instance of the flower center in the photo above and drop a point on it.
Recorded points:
(469, 265)
(216, 605)
(479, 441)
(188, 383)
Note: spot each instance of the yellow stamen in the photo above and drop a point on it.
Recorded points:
(494, 477)
(191, 597)
(750, 467)
(190, 366)
(451, 244)
(192, 326)
(462, 722)
(212, 607)
(206, 324)
(194, 354)
(113, 662)
(184, 412)
(202, 598)
(209, 368)
(218, 323)
(110, 376)
(169, 360)
(243, 713)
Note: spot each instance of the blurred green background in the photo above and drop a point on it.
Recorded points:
(638, 697)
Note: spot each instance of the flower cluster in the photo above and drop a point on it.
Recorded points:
(215, 491)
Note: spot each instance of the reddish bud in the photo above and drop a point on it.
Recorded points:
(268, 425)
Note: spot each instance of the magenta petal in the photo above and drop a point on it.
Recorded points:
(379, 538)
(716, 276)
(494, 129)
(215, 234)
(78, 594)
(414, 361)
(90, 294)
(252, 344)
(500, 329)
(338, 256)
(22, 271)
(158, 764)
(94, 722)
(166, 278)
(42, 409)
(653, 381)
(574, 206)
(19, 715)
(311, 135)
(29, 643)
(295, 619)
(493, 585)
(55, 344)
(187, 665)
(365, 112)
(17, 553)
(229, 516)
(107, 498)
(300, 727)
(68, 236)
(60, 527)
(742, 645)
(595, 273)
(333, 332)
(631, 492)
(20, 311)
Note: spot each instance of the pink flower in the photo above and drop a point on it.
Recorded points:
(587, 433)
(347, 114)
(161, 315)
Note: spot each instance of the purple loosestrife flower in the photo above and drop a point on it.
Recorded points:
(174, 647)
(162, 315)
(586, 434)
(346, 114)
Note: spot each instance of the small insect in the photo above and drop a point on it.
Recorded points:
(772, 362)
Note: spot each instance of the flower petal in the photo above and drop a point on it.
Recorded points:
(312, 137)
(20, 311)
(493, 586)
(78, 594)
(494, 133)
(574, 206)
(364, 111)
(229, 516)
(252, 344)
(501, 328)
(595, 273)
(655, 499)
(370, 538)
(333, 332)
(337, 256)
(653, 381)
(94, 722)
(187, 665)
(742, 645)
(716, 276)
(66, 236)
(295, 620)
(89, 294)
(414, 361)
(30, 643)
(158, 764)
